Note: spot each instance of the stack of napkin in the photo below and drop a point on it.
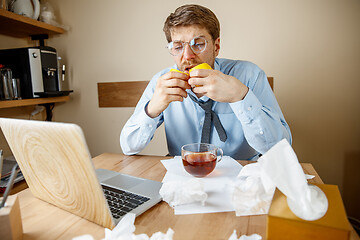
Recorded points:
(190, 195)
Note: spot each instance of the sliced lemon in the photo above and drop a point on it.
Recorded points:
(201, 66)
(175, 70)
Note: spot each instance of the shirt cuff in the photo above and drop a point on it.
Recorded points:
(247, 109)
(147, 121)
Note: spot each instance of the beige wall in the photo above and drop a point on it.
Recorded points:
(311, 48)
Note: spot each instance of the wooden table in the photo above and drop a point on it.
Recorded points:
(44, 221)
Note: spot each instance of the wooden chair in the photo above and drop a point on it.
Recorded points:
(127, 94)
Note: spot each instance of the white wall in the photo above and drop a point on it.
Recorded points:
(311, 48)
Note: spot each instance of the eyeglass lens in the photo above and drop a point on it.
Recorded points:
(197, 45)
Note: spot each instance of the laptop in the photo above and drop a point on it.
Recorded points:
(58, 168)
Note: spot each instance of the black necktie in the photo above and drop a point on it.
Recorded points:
(210, 116)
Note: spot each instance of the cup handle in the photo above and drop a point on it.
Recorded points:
(221, 154)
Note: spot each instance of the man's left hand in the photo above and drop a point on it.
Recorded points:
(217, 86)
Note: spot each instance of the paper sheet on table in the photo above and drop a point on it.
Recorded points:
(218, 185)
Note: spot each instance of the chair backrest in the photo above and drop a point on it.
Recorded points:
(127, 94)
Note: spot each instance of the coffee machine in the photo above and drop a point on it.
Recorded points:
(37, 68)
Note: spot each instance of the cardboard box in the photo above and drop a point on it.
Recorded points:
(10, 219)
(283, 224)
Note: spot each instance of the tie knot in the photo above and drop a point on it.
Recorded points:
(206, 105)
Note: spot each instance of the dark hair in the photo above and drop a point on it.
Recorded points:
(192, 15)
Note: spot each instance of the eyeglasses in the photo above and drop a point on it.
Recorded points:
(197, 45)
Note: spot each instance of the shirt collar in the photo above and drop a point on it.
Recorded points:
(216, 65)
(203, 98)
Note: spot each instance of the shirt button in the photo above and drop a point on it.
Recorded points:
(150, 126)
(249, 108)
(261, 132)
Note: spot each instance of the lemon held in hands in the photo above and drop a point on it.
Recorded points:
(175, 70)
(201, 66)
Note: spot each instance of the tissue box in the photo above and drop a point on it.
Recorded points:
(282, 223)
(10, 220)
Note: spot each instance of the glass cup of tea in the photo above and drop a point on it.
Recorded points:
(199, 159)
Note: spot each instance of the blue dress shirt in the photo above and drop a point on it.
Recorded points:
(253, 125)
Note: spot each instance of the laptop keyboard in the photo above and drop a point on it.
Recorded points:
(122, 202)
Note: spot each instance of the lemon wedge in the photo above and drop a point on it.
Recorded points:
(201, 66)
(175, 70)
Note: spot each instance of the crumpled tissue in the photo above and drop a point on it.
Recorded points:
(124, 230)
(250, 196)
(279, 167)
(183, 192)
(245, 237)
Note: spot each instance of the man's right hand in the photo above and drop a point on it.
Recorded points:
(170, 87)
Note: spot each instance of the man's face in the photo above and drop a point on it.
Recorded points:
(188, 59)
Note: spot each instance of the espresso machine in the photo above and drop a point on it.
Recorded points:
(37, 69)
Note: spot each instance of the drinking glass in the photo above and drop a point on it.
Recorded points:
(199, 159)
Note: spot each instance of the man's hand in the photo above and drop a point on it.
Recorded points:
(170, 87)
(217, 86)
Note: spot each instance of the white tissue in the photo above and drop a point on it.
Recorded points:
(124, 230)
(244, 237)
(218, 185)
(250, 196)
(183, 192)
(281, 166)
(84, 237)
(161, 236)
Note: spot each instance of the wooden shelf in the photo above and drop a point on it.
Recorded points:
(33, 101)
(15, 25)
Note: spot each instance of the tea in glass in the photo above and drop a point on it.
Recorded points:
(199, 159)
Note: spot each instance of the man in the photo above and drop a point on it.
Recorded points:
(234, 101)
